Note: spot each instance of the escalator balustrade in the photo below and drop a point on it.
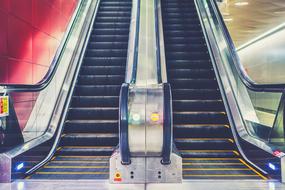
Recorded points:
(91, 127)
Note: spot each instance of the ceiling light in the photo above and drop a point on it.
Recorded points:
(228, 19)
(243, 3)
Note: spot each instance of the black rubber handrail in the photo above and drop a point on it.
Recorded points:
(167, 124)
(136, 51)
(158, 62)
(124, 125)
(242, 75)
(54, 65)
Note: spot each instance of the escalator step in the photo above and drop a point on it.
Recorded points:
(91, 126)
(198, 105)
(97, 90)
(93, 113)
(194, 94)
(86, 151)
(103, 70)
(209, 131)
(208, 153)
(199, 117)
(201, 128)
(100, 79)
(89, 139)
(95, 101)
(204, 143)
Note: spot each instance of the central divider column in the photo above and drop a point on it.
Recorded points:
(145, 153)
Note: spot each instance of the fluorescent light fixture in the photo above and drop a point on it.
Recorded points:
(264, 35)
(228, 19)
(20, 166)
(242, 3)
(272, 166)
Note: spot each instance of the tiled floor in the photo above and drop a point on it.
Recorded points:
(104, 185)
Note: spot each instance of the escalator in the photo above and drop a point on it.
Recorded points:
(91, 128)
(202, 132)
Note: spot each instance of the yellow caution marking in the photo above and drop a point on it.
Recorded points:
(28, 177)
(154, 117)
(212, 163)
(231, 140)
(210, 158)
(99, 167)
(219, 175)
(201, 139)
(53, 158)
(213, 151)
(83, 156)
(216, 169)
(59, 148)
(236, 153)
(82, 147)
(254, 170)
(118, 177)
(73, 173)
(79, 161)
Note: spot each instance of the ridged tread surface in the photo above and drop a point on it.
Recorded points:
(202, 132)
(91, 127)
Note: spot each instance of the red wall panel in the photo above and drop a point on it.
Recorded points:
(30, 33)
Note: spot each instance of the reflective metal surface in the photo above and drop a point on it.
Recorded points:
(147, 65)
(133, 42)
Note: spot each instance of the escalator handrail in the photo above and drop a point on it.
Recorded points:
(136, 46)
(158, 62)
(58, 134)
(167, 98)
(249, 83)
(167, 124)
(124, 124)
(41, 85)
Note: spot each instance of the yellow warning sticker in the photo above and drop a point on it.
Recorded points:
(4, 106)
(154, 117)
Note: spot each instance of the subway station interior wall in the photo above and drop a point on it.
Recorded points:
(30, 33)
(264, 60)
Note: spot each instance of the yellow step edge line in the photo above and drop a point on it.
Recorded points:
(236, 153)
(28, 177)
(201, 163)
(231, 140)
(76, 167)
(203, 139)
(72, 173)
(79, 161)
(255, 171)
(216, 169)
(219, 151)
(87, 147)
(219, 175)
(198, 125)
(210, 158)
(83, 156)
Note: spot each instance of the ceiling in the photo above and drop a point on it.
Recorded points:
(247, 19)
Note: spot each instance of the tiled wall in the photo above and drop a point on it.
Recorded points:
(30, 32)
